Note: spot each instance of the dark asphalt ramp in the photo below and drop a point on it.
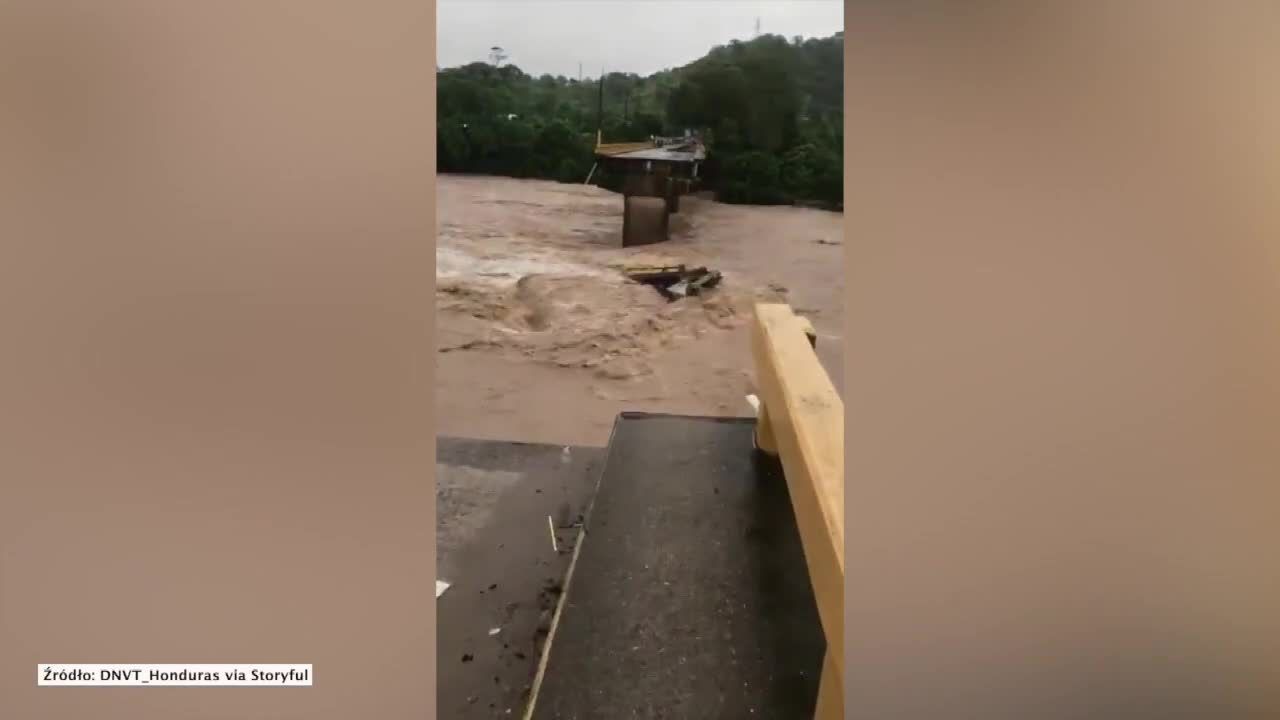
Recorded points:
(494, 546)
(690, 596)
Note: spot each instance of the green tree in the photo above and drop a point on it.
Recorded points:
(770, 109)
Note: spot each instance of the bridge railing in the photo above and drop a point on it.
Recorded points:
(801, 420)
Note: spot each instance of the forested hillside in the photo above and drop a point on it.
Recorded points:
(771, 111)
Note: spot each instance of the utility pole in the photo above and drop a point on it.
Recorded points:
(757, 26)
(579, 71)
(600, 111)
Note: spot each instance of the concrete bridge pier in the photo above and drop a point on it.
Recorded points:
(645, 220)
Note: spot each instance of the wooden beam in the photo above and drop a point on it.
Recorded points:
(805, 420)
(830, 692)
(607, 149)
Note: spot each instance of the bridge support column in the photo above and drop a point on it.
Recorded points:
(644, 220)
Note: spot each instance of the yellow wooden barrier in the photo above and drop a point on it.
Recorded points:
(801, 420)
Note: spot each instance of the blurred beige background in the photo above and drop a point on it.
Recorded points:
(215, 294)
(1064, 368)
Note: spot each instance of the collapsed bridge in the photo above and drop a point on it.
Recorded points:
(655, 174)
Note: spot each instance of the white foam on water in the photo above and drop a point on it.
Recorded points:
(456, 264)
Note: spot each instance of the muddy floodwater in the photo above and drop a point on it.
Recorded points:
(541, 338)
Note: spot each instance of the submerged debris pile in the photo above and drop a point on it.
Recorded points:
(675, 282)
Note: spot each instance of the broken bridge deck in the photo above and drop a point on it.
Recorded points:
(689, 595)
(494, 547)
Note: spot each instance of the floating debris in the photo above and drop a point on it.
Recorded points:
(441, 586)
(675, 281)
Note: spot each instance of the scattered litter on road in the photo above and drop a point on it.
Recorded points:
(441, 586)
(552, 527)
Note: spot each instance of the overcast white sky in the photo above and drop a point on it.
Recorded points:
(639, 36)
